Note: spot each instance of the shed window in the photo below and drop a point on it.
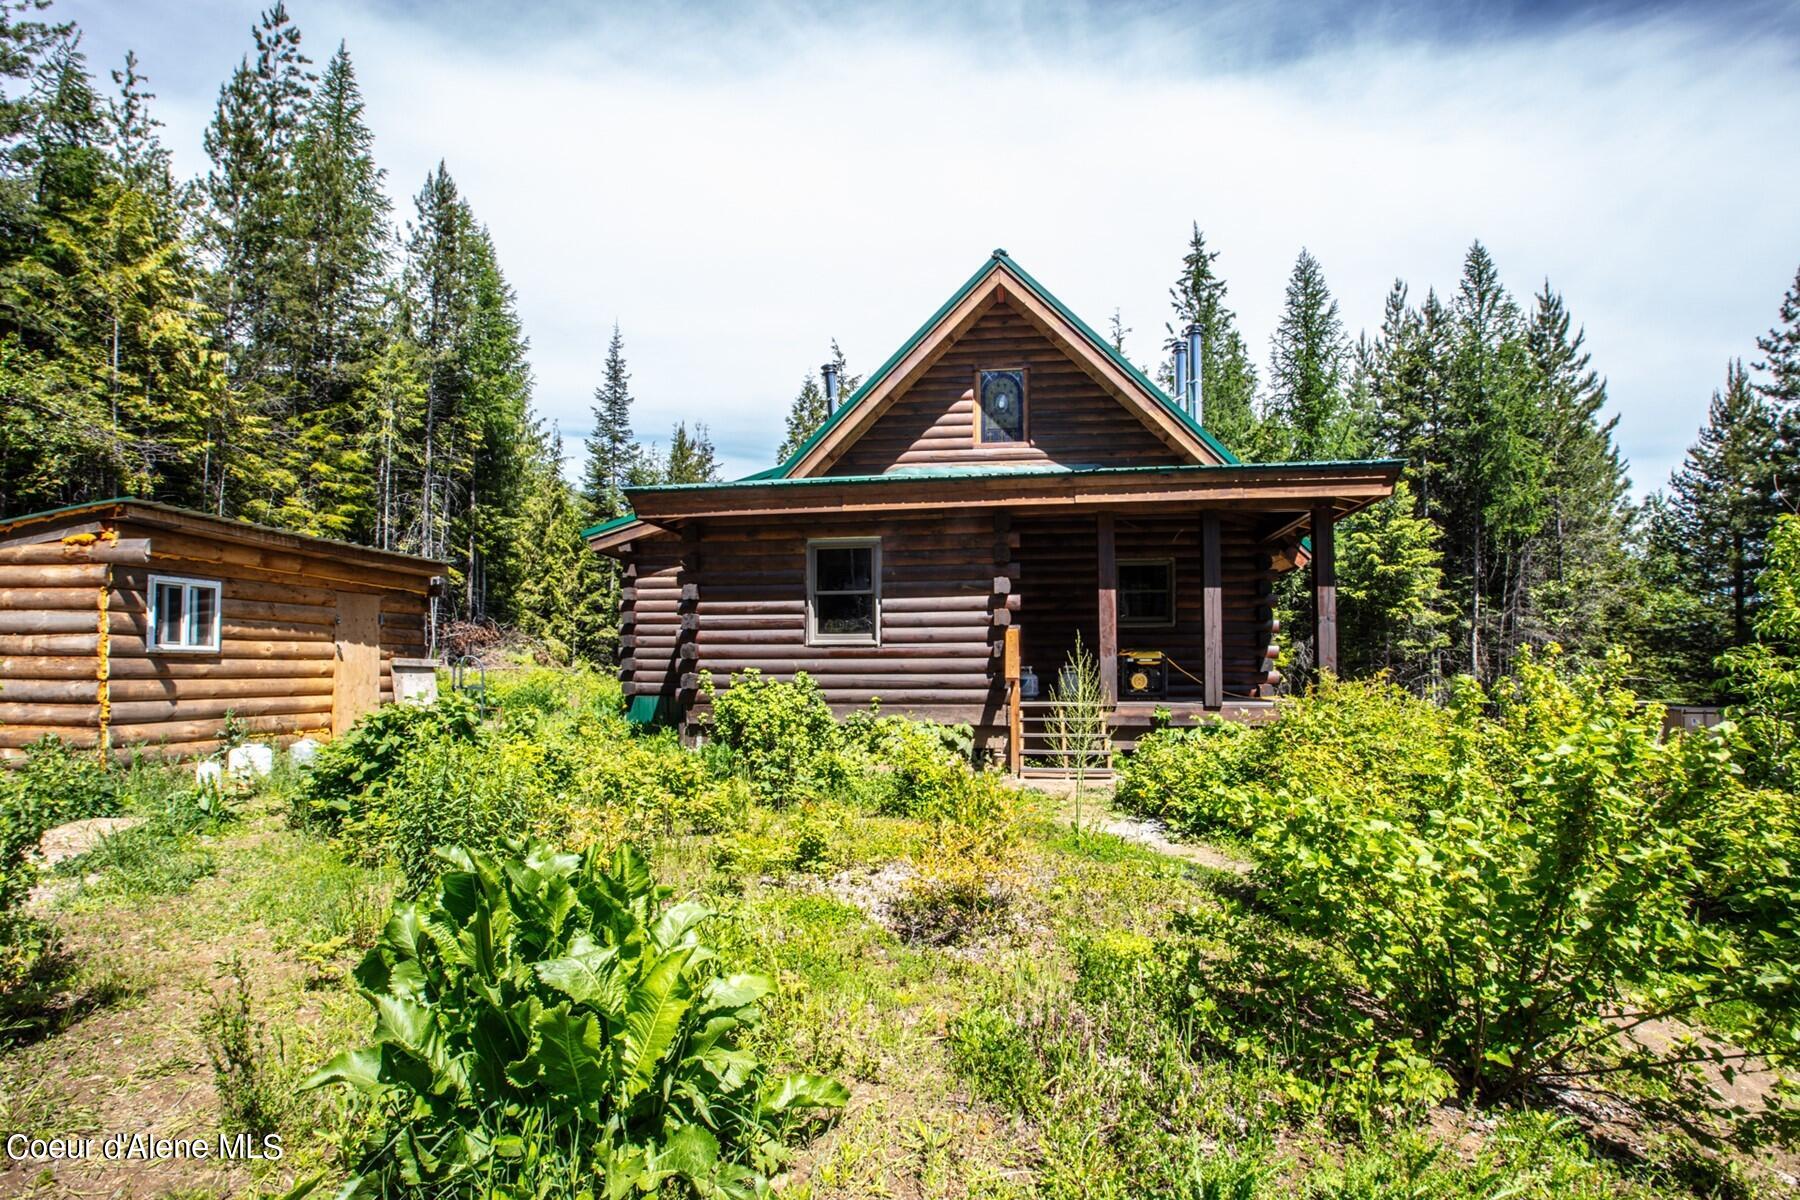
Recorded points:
(1001, 396)
(1146, 592)
(844, 590)
(184, 613)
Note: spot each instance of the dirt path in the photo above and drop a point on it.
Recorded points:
(131, 1056)
(1097, 814)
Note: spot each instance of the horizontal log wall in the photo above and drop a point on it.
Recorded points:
(74, 654)
(50, 633)
(746, 607)
(1070, 418)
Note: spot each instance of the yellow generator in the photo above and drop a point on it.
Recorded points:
(1143, 675)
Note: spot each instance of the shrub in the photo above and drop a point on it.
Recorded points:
(478, 794)
(1765, 676)
(781, 733)
(58, 785)
(1193, 779)
(1505, 913)
(1512, 879)
(549, 1021)
(348, 772)
(23, 939)
(967, 878)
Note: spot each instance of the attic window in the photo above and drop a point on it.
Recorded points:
(184, 614)
(1000, 404)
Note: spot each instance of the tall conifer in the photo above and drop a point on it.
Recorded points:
(1227, 376)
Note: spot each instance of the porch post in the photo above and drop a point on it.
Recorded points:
(1213, 612)
(1324, 566)
(1109, 608)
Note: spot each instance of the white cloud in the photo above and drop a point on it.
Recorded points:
(738, 188)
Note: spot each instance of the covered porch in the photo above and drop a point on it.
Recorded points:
(1175, 607)
(946, 584)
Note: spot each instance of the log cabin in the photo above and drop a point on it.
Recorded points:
(1004, 483)
(128, 625)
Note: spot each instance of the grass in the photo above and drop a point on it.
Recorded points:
(209, 973)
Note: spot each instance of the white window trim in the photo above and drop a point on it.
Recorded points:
(154, 643)
(1139, 622)
(813, 636)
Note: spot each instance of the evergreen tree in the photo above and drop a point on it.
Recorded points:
(1575, 568)
(1493, 496)
(330, 309)
(1390, 588)
(103, 367)
(691, 458)
(474, 428)
(1307, 406)
(1674, 629)
(810, 408)
(808, 411)
(255, 256)
(612, 450)
(1227, 376)
(1781, 348)
(566, 597)
(1725, 498)
(1116, 332)
(1780, 387)
(393, 399)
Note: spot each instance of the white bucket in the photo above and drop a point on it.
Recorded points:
(241, 762)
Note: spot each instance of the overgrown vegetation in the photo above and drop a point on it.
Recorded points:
(1516, 883)
(1015, 1008)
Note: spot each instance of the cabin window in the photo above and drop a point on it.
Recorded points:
(184, 613)
(843, 591)
(1146, 591)
(1000, 405)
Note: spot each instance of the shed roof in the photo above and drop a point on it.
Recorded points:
(168, 516)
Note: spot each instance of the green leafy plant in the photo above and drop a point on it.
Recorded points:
(240, 1053)
(58, 785)
(233, 731)
(547, 1017)
(1514, 881)
(347, 774)
(782, 734)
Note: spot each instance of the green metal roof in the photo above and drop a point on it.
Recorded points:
(994, 263)
(998, 260)
(914, 474)
(608, 526)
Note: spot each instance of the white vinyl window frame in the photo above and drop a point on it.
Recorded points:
(1167, 622)
(813, 636)
(196, 637)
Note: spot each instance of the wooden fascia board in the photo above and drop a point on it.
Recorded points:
(956, 322)
(1348, 491)
(624, 535)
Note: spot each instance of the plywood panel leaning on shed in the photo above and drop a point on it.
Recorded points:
(81, 657)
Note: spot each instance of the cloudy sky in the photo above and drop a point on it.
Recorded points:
(738, 184)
